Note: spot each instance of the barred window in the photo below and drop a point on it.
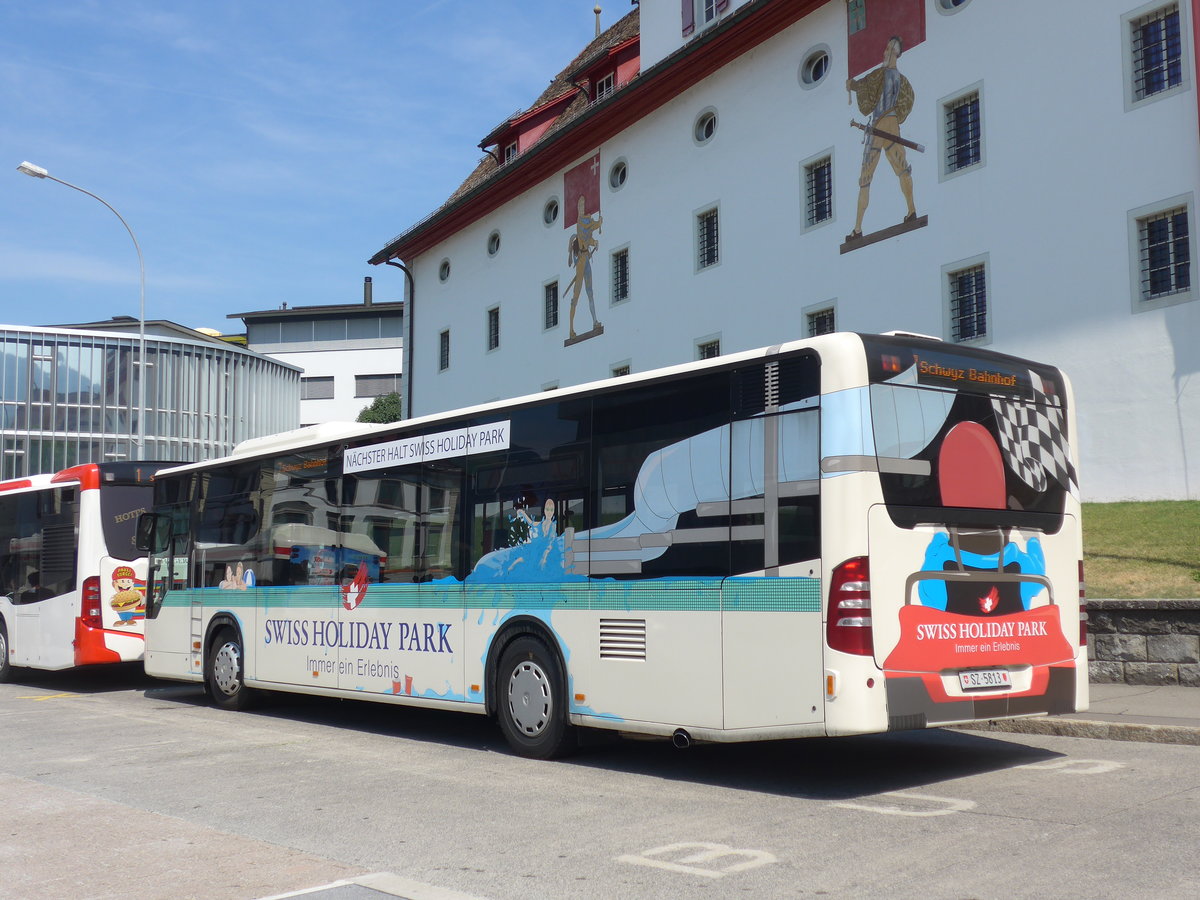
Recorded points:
(550, 305)
(968, 303)
(444, 350)
(493, 328)
(1157, 51)
(318, 388)
(818, 191)
(376, 385)
(964, 137)
(707, 236)
(708, 349)
(620, 275)
(1164, 253)
(820, 322)
(621, 369)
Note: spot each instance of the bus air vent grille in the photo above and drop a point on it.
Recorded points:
(623, 639)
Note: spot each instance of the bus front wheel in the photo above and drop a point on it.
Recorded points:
(532, 700)
(223, 671)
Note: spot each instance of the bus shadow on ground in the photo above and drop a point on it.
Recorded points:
(84, 680)
(839, 768)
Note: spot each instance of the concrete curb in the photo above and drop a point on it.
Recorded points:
(1090, 728)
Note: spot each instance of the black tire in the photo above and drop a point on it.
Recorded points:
(531, 695)
(223, 671)
(5, 666)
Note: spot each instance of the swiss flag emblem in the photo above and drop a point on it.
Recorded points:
(353, 593)
(988, 603)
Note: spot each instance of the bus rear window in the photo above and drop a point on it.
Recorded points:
(120, 506)
(962, 434)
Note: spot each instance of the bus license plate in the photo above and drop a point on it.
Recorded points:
(980, 679)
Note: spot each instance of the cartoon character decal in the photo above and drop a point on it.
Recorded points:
(129, 599)
(239, 579)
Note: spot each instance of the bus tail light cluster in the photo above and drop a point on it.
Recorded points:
(1083, 616)
(90, 609)
(849, 623)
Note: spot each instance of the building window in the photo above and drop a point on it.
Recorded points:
(818, 191)
(619, 369)
(1164, 255)
(444, 271)
(493, 328)
(708, 348)
(963, 129)
(815, 67)
(856, 14)
(968, 303)
(550, 305)
(376, 385)
(820, 321)
(444, 350)
(605, 86)
(707, 239)
(1156, 52)
(620, 275)
(702, 13)
(705, 126)
(550, 211)
(510, 152)
(493, 243)
(617, 174)
(318, 388)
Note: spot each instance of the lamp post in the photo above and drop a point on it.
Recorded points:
(33, 171)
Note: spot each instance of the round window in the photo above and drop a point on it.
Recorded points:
(493, 243)
(550, 212)
(816, 67)
(706, 126)
(444, 270)
(617, 174)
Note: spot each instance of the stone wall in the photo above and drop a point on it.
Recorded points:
(1144, 641)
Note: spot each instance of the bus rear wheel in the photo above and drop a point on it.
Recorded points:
(532, 697)
(223, 671)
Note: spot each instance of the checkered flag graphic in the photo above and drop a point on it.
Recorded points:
(1034, 441)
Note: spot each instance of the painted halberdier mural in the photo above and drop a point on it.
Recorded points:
(886, 98)
(581, 191)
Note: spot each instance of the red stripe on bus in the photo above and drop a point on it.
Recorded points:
(88, 476)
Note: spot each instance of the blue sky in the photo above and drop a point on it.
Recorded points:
(260, 150)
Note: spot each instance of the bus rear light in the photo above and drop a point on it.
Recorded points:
(90, 608)
(848, 627)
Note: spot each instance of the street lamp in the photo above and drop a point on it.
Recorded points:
(33, 171)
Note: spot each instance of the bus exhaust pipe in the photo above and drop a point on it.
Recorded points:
(681, 739)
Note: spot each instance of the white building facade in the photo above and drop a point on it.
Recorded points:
(350, 354)
(1019, 175)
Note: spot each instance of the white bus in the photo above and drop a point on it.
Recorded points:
(72, 582)
(842, 535)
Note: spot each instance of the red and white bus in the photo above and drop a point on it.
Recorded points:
(72, 583)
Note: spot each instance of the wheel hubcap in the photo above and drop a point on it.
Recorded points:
(226, 666)
(529, 698)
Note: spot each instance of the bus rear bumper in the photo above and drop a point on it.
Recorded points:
(916, 701)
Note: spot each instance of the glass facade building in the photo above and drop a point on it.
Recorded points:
(70, 396)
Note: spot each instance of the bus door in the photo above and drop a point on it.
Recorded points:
(174, 614)
(772, 613)
(400, 607)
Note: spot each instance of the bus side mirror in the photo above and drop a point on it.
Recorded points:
(151, 533)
